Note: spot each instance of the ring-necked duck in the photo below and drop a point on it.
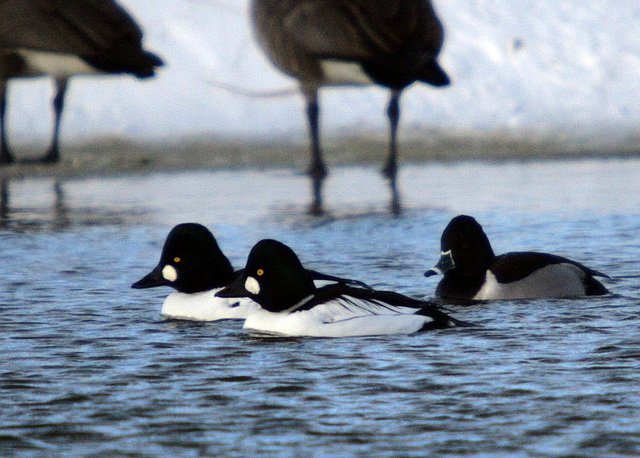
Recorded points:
(472, 271)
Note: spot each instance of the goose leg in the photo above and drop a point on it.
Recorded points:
(393, 112)
(5, 155)
(317, 169)
(53, 155)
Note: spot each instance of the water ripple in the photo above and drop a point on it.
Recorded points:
(89, 368)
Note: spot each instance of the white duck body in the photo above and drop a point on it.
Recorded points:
(206, 306)
(341, 317)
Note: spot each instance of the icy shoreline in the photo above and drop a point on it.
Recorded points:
(120, 156)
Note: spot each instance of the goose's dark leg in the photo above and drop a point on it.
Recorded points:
(317, 170)
(53, 154)
(393, 112)
(5, 155)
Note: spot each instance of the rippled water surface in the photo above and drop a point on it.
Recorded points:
(88, 367)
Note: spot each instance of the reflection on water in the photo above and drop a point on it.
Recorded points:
(169, 198)
(317, 208)
(45, 208)
(4, 202)
(89, 368)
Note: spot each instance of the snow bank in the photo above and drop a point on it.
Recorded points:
(569, 68)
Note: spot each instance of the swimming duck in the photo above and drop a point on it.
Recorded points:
(472, 271)
(291, 305)
(193, 264)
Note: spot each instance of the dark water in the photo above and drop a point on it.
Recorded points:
(89, 368)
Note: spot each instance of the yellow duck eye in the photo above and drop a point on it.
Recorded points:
(176, 259)
(260, 272)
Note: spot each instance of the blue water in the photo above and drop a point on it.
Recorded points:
(89, 368)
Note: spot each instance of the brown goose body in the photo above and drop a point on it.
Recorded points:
(392, 43)
(63, 38)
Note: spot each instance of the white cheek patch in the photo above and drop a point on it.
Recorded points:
(169, 273)
(252, 285)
